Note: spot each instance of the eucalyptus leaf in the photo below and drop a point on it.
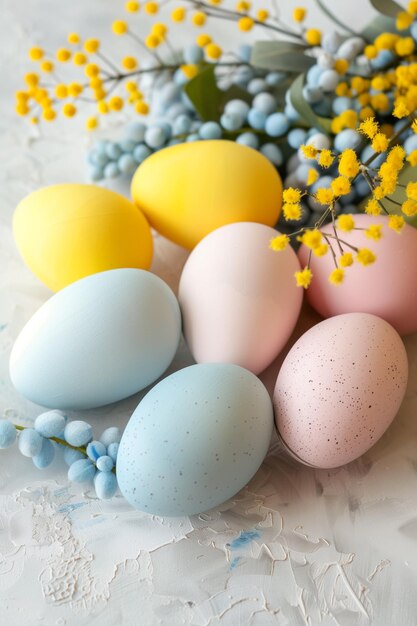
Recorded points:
(281, 56)
(304, 109)
(380, 24)
(387, 7)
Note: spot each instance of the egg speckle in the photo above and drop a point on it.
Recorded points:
(339, 389)
(195, 439)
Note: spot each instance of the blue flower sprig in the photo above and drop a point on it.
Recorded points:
(88, 459)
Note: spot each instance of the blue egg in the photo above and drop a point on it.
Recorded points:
(105, 484)
(46, 455)
(347, 138)
(384, 58)
(105, 463)
(7, 434)
(291, 113)
(51, 423)
(193, 137)
(193, 54)
(96, 449)
(111, 170)
(340, 104)
(141, 152)
(99, 158)
(362, 187)
(277, 125)
(243, 75)
(329, 80)
(296, 137)
(182, 124)
(135, 131)
(119, 331)
(113, 151)
(180, 78)
(244, 52)
(30, 442)
(257, 119)
(70, 456)
(127, 145)
(155, 136)
(312, 94)
(410, 144)
(273, 79)
(368, 152)
(195, 440)
(273, 153)
(257, 85)
(210, 130)
(127, 164)
(237, 107)
(81, 471)
(248, 139)
(231, 121)
(101, 145)
(78, 433)
(95, 173)
(313, 75)
(113, 450)
(265, 102)
(176, 109)
(111, 435)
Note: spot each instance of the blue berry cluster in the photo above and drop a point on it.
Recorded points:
(88, 459)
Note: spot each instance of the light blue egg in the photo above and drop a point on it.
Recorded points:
(312, 94)
(112, 451)
(127, 164)
(141, 152)
(99, 158)
(243, 75)
(113, 151)
(95, 173)
(193, 54)
(111, 435)
(291, 113)
(368, 152)
(244, 52)
(210, 130)
(101, 145)
(362, 187)
(78, 433)
(50, 423)
(119, 331)
(384, 58)
(193, 137)
(296, 137)
(7, 434)
(273, 153)
(329, 80)
(46, 455)
(127, 145)
(231, 121)
(174, 141)
(195, 440)
(30, 442)
(331, 41)
(273, 79)
(111, 170)
(248, 139)
(265, 102)
(182, 124)
(105, 484)
(313, 75)
(96, 449)
(256, 85)
(170, 92)
(176, 109)
(277, 125)
(135, 131)
(105, 463)
(410, 144)
(81, 471)
(293, 162)
(237, 107)
(347, 138)
(180, 78)
(257, 119)
(340, 104)
(302, 173)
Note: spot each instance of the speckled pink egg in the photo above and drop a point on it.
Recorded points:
(339, 389)
(238, 297)
(387, 288)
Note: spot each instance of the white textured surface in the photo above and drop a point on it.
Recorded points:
(322, 547)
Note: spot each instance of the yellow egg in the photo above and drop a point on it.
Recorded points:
(66, 232)
(190, 189)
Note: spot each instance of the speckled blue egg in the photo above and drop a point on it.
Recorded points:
(195, 440)
(101, 339)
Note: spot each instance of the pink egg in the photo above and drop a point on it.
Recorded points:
(387, 288)
(339, 389)
(238, 297)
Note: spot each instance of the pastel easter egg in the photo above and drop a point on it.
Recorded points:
(195, 440)
(238, 297)
(101, 339)
(66, 232)
(386, 288)
(190, 189)
(339, 388)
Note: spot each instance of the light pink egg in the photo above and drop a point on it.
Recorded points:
(339, 389)
(238, 297)
(387, 288)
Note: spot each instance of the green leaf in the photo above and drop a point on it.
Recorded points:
(380, 24)
(205, 95)
(281, 56)
(387, 7)
(304, 109)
